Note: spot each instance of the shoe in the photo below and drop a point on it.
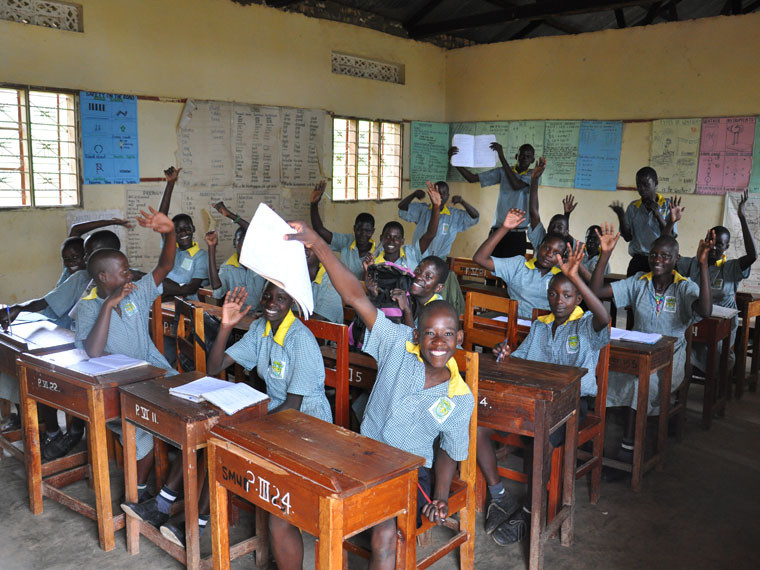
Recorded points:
(624, 455)
(147, 512)
(142, 496)
(514, 530)
(11, 423)
(61, 446)
(49, 441)
(499, 511)
(174, 533)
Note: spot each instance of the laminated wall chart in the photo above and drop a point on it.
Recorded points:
(428, 159)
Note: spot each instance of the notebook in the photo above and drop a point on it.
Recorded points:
(228, 396)
(634, 336)
(79, 361)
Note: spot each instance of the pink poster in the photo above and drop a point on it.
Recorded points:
(725, 155)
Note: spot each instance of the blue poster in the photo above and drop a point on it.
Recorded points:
(598, 155)
(109, 138)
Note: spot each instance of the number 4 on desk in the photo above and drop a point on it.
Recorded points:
(484, 402)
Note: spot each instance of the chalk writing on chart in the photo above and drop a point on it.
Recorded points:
(525, 132)
(725, 154)
(674, 154)
(301, 146)
(598, 155)
(561, 152)
(736, 247)
(256, 145)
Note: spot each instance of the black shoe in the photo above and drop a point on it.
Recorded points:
(612, 475)
(49, 441)
(142, 496)
(499, 511)
(11, 423)
(147, 512)
(514, 530)
(624, 455)
(174, 532)
(61, 446)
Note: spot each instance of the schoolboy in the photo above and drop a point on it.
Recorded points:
(559, 223)
(418, 397)
(646, 219)
(725, 276)
(592, 250)
(353, 248)
(429, 278)
(514, 187)
(232, 273)
(328, 305)
(190, 269)
(663, 302)
(527, 281)
(451, 221)
(567, 336)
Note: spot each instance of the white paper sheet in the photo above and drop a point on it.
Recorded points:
(724, 312)
(634, 336)
(194, 390)
(234, 397)
(474, 151)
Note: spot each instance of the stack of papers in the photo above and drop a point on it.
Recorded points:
(79, 361)
(281, 262)
(228, 396)
(634, 336)
(724, 312)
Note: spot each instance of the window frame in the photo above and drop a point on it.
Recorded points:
(356, 199)
(28, 147)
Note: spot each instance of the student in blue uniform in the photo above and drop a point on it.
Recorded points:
(232, 273)
(592, 250)
(568, 336)
(328, 305)
(419, 396)
(559, 223)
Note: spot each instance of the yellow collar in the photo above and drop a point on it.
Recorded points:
(524, 172)
(676, 277)
(444, 211)
(193, 249)
(320, 274)
(457, 386)
(233, 260)
(91, 295)
(660, 201)
(371, 245)
(721, 261)
(381, 258)
(279, 336)
(574, 316)
(531, 264)
(435, 297)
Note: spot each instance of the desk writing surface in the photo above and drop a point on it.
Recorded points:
(539, 380)
(36, 336)
(330, 458)
(641, 347)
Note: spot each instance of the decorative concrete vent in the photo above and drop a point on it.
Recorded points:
(46, 13)
(356, 66)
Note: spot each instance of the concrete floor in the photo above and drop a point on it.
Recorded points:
(703, 511)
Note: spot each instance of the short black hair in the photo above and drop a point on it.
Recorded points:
(441, 267)
(182, 218)
(667, 241)
(559, 217)
(393, 225)
(75, 242)
(557, 277)
(441, 184)
(102, 239)
(527, 146)
(554, 235)
(240, 232)
(647, 172)
(435, 306)
(721, 230)
(594, 228)
(100, 258)
(365, 218)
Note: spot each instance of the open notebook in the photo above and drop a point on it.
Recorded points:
(634, 336)
(228, 396)
(79, 361)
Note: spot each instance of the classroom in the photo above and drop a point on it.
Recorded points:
(170, 53)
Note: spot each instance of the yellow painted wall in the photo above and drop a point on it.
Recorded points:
(696, 68)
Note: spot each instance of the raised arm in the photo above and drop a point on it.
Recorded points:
(347, 285)
(435, 216)
(466, 174)
(568, 205)
(469, 208)
(570, 269)
(750, 255)
(172, 174)
(625, 231)
(404, 203)
(535, 216)
(514, 181)
(316, 219)
(212, 240)
(512, 220)
(608, 240)
(9, 313)
(95, 343)
(78, 230)
(227, 213)
(158, 222)
(703, 305)
(676, 211)
(233, 311)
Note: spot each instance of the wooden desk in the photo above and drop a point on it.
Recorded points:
(362, 368)
(711, 332)
(534, 399)
(324, 479)
(185, 425)
(94, 399)
(642, 360)
(749, 308)
(38, 337)
(168, 318)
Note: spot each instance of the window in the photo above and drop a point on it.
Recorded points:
(38, 148)
(366, 160)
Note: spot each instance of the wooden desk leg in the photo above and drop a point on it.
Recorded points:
(190, 483)
(640, 437)
(711, 392)
(130, 484)
(161, 461)
(220, 537)
(724, 377)
(538, 489)
(406, 545)
(666, 383)
(330, 534)
(32, 455)
(96, 439)
(755, 368)
(568, 478)
(741, 356)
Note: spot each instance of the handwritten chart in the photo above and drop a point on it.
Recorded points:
(754, 180)
(675, 153)
(598, 155)
(428, 159)
(109, 138)
(736, 248)
(725, 155)
(561, 152)
(525, 132)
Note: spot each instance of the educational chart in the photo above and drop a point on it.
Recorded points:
(428, 159)
(301, 146)
(725, 155)
(731, 221)
(79, 216)
(675, 153)
(754, 179)
(561, 152)
(598, 155)
(109, 138)
(205, 144)
(142, 244)
(256, 146)
(525, 132)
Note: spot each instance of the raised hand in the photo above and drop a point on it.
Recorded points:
(743, 202)
(608, 238)
(435, 195)
(539, 168)
(496, 147)
(212, 238)
(452, 151)
(574, 259)
(419, 194)
(676, 210)
(118, 294)
(617, 207)
(367, 260)
(172, 174)
(501, 351)
(457, 199)
(401, 298)
(318, 192)
(156, 221)
(304, 234)
(705, 245)
(234, 308)
(513, 219)
(569, 204)
(222, 209)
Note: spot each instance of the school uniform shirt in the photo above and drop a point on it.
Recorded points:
(128, 333)
(409, 256)
(574, 343)
(675, 314)
(644, 225)
(232, 275)
(62, 299)
(536, 236)
(508, 197)
(65, 274)
(189, 264)
(289, 361)
(327, 301)
(345, 244)
(591, 262)
(450, 223)
(400, 411)
(524, 283)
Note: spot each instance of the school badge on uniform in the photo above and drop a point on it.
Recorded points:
(129, 308)
(442, 408)
(573, 344)
(718, 283)
(278, 369)
(445, 230)
(670, 304)
(187, 264)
